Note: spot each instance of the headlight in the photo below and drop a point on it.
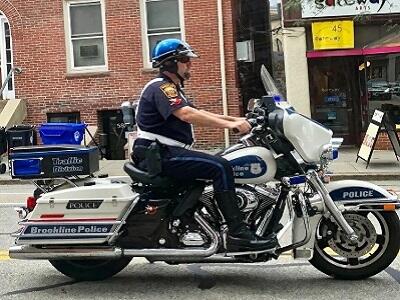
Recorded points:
(329, 152)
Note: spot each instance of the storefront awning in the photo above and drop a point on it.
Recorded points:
(387, 44)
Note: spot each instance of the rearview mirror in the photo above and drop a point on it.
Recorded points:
(253, 103)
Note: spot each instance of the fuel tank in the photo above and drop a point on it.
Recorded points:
(252, 165)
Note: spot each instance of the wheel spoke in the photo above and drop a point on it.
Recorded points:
(353, 261)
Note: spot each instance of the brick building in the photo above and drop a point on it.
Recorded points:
(81, 59)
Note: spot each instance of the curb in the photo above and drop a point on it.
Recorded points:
(365, 177)
(14, 182)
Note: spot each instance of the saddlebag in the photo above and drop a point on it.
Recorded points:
(147, 225)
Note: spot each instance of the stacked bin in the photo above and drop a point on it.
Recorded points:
(62, 133)
(16, 136)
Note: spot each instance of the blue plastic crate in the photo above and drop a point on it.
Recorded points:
(62, 133)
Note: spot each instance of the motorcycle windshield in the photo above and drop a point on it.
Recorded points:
(269, 83)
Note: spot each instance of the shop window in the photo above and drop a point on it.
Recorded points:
(70, 117)
(383, 84)
(161, 19)
(85, 32)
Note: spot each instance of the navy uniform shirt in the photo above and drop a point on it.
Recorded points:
(159, 99)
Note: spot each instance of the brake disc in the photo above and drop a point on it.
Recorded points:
(365, 231)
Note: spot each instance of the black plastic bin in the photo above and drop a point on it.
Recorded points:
(3, 149)
(21, 135)
(3, 141)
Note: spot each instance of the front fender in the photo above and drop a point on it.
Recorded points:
(356, 192)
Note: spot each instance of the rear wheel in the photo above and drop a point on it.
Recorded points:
(377, 246)
(91, 269)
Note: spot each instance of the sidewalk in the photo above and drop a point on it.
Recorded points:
(383, 166)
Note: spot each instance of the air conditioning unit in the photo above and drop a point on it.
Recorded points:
(245, 51)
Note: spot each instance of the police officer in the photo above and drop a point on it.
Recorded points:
(165, 114)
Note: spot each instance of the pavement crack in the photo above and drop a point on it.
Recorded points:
(207, 280)
(395, 274)
(38, 289)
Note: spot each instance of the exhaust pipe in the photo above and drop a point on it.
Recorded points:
(30, 252)
(216, 259)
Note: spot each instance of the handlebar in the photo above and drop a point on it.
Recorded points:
(254, 122)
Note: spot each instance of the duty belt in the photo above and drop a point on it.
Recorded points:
(162, 139)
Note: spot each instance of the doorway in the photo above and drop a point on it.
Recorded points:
(113, 134)
(335, 96)
(6, 58)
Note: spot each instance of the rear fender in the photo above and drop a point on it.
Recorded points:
(358, 195)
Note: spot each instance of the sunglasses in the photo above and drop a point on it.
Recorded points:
(184, 59)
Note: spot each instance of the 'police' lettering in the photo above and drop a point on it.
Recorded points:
(84, 204)
(358, 194)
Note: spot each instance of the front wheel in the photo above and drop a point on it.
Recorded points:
(91, 269)
(377, 246)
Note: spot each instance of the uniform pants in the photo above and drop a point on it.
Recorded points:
(185, 166)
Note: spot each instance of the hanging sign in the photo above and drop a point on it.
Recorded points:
(333, 35)
(335, 8)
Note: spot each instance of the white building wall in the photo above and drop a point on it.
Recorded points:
(296, 69)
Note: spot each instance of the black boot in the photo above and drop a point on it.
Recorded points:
(240, 238)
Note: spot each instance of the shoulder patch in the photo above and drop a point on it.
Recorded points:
(169, 89)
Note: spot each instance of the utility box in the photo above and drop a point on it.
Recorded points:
(245, 51)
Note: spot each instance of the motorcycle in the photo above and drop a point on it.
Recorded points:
(90, 228)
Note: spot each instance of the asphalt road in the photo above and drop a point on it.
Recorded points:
(282, 279)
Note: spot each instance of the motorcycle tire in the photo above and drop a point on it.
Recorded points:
(91, 270)
(387, 248)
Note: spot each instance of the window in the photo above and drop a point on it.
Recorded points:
(161, 19)
(85, 34)
(70, 117)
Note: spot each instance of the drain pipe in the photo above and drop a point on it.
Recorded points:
(222, 63)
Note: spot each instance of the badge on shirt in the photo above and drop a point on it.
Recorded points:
(175, 101)
(169, 89)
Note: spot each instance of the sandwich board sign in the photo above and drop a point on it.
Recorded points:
(380, 122)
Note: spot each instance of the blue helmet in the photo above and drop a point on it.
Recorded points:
(171, 49)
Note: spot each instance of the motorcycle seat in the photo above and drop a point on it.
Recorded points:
(142, 176)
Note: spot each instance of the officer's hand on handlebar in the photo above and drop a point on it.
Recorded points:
(241, 126)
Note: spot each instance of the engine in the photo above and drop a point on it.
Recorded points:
(253, 201)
